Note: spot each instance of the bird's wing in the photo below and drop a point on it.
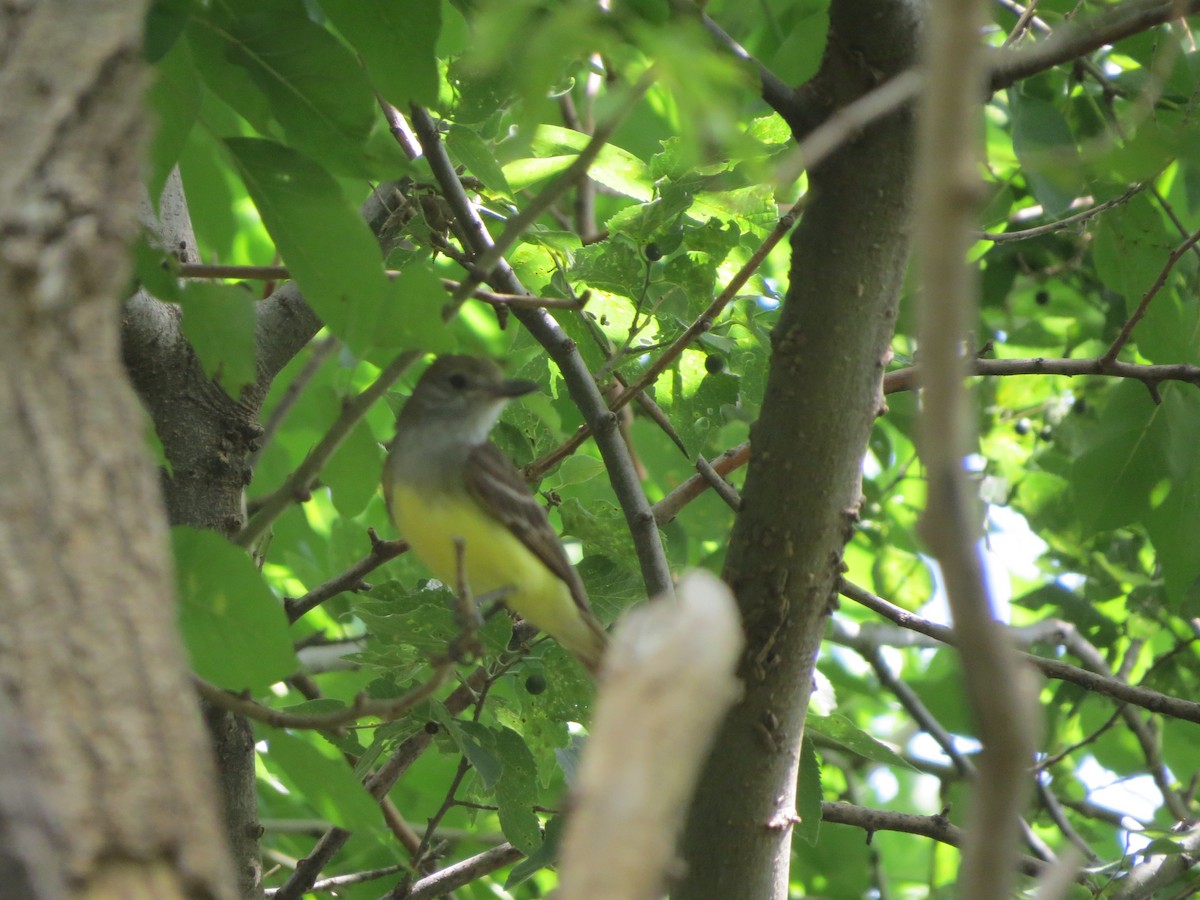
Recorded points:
(495, 483)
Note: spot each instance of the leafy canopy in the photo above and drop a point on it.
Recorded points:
(1089, 484)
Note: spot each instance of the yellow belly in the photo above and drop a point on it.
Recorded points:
(493, 557)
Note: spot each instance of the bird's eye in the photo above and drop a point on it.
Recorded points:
(458, 381)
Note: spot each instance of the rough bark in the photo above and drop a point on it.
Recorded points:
(89, 655)
(803, 482)
(208, 438)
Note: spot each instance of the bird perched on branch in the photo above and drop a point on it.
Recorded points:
(448, 487)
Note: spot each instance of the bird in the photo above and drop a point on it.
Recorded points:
(447, 486)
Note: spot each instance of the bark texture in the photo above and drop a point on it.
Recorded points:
(208, 437)
(802, 488)
(90, 660)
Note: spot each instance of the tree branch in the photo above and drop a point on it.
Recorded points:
(514, 228)
(669, 506)
(1127, 330)
(621, 471)
(378, 786)
(298, 485)
(1154, 701)
(775, 91)
(947, 187)
(1005, 237)
(1151, 375)
(937, 827)
(1084, 35)
(350, 580)
(361, 708)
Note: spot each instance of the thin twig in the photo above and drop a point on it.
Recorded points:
(1054, 809)
(907, 379)
(647, 405)
(245, 273)
(669, 506)
(361, 708)
(419, 858)
(848, 121)
(1002, 237)
(699, 326)
(463, 873)
(377, 786)
(1154, 701)
(350, 580)
(486, 258)
(1027, 15)
(1159, 282)
(717, 482)
(937, 827)
(497, 299)
(946, 189)
(647, 543)
(870, 651)
(400, 129)
(299, 483)
(320, 352)
(777, 93)
(1167, 208)
(706, 319)
(1083, 35)
(273, 273)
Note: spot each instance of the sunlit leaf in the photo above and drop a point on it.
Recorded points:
(234, 627)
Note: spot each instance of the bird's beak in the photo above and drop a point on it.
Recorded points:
(515, 387)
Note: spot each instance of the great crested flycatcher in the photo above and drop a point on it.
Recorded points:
(444, 480)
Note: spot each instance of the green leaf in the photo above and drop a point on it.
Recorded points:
(1046, 148)
(695, 400)
(1131, 247)
(353, 472)
(799, 56)
(175, 99)
(468, 147)
(412, 314)
(525, 173)
(754, 206)
(397, 43)
(165, 21)
(327, 785)
(346, 741)
(423, 620)
(209, 183)
(543, 856)
(809, 794)
(325, 243)
(615, 266)
(1170, 331)
(1113, 477)
(286, 65)
(477, 743)
(1173, 527)
(770, 130)
(233, 626)
(516, 792)
(613, 167)
(219, 323)
(1181, 409)
(155, 270)
(657, 12)
(840, 729)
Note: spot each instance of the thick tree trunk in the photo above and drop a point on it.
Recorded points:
(803, 483)
(89, 654)
(208, 438)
